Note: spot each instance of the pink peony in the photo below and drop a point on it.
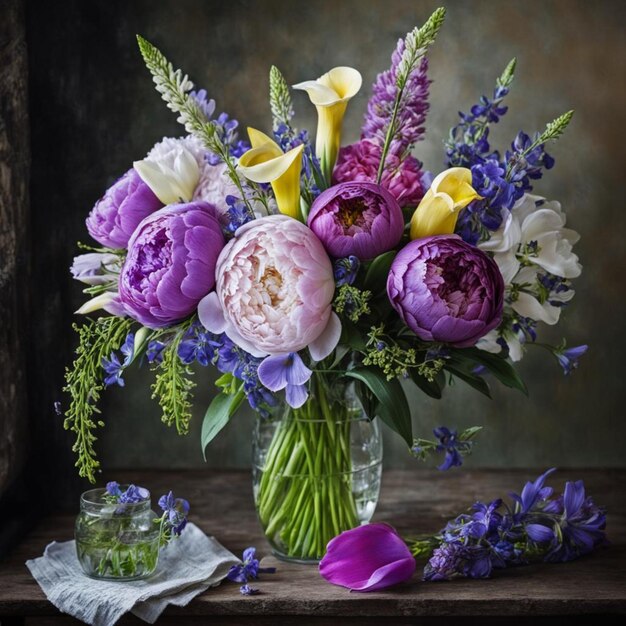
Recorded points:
(359, 162)
(273, 292)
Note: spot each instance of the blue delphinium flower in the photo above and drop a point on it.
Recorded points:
(568, 358)
(154, 352)
(246, 590)
(248, 568)
(133, 495)
(175, 511)
(113, 367)
(113, 489)
(452, 445)
(238, 214)
(197, 345)
(231, 359)
(345, 270)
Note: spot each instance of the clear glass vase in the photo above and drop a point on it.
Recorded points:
(116, 541)
(316, 470)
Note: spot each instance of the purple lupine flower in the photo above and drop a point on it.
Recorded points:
(248, 568)
(412, 110)
(345, 270)
(360, 219)
(288, 372)
(171, 262)
(176, 511)
(568, 358)
(367, 558)
(445, 562)
(452, 446)
(117, 214)
(401, 177)
(446, 290)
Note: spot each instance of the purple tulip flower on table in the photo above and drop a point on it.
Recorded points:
(305, 271)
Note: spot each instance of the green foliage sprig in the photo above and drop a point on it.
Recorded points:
(280, 101)
(352, 302)
(173, 385)
(174, 87)
(386, 354)
(84, 382)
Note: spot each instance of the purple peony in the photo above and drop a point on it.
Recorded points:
(367, 558)
(115, 216)
(170, 265)
(359, 162)
(446, 290)
(356, 218)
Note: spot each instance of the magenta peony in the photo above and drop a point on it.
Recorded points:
(360, 219)
(359, 162)
(115, 216)
(446, 290)
(170, 265)
(274, 290)
(367, 558)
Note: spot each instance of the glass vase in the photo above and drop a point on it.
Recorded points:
(316, 470)
(116, 541)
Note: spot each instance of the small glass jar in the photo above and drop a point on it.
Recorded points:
(118, 541)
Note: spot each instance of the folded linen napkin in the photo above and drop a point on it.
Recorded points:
(187, 566)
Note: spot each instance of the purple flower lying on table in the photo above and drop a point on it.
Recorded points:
(248, 568)
(367, 558)
(538, 527)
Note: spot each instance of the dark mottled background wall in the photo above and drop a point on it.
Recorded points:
(94, 111)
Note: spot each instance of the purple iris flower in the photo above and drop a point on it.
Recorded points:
(176, 511)
(532, 494)
(248, 568)
(568, 359)
(582, 524)
(288, 372)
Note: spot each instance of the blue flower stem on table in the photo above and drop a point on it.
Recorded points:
(305, 495)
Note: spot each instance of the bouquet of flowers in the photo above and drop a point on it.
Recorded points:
(315, 277)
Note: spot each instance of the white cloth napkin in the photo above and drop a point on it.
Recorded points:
(187, 566)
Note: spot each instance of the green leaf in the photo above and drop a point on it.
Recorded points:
(352, 337)
(430, 388)
(221, 409)
(456, 367)
(393, 407)
(498, 366)
(377, 272)
(470, 433)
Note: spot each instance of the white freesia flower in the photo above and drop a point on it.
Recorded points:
(533, 250)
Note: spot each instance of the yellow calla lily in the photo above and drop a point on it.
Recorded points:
(330, 94)
(439, 209)
(265, 162)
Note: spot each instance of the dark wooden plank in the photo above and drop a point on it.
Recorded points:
(414, 502)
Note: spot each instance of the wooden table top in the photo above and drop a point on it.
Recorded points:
(414, 502)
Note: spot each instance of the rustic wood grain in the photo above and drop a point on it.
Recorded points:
(414, 502)
(14, 178)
